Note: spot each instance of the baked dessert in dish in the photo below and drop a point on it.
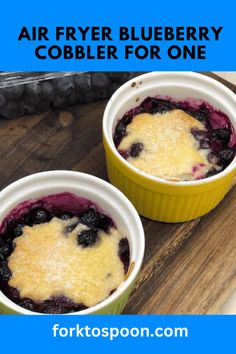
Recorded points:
(176, 140)
(61, 254)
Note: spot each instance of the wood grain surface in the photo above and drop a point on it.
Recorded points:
(188, 268)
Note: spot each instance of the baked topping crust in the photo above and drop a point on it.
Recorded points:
(170, 150)
(48, 262)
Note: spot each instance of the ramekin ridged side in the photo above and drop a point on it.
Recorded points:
(167, 205)
(153, 197)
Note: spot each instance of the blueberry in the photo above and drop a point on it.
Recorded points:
(2, 256)
(60, 304)
(221, 135)
(5, 273)
(202, 137)
(32, 89)
(83, 83)
(64, 85)
(39, 216)
(199, 134)
(94, 219)
(52, 306)
(212, 172)
(100, 81)
(49, 306)
(66, 216)
(214, 158)
(14, 92)
(157, 105)
(162, 106)
(46, 91)
(147, 104)
(75, 308)
(87, 238)
(2, 241)
(202, 114)
(136, 149)
(27, 303)
(105, 223)
(124, 253)
(120, 132)
(67, 305)
(226, 156)
(128, 117)
(12, 293)
(5, 251)
(15, 228)
(51, 309)
(204, 144)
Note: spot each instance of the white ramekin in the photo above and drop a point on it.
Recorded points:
(111, 200)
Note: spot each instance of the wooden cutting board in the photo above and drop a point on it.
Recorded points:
(188, 268)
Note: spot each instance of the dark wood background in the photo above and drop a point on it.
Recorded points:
(188, 267)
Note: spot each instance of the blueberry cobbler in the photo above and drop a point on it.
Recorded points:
(61, 254)
(178, 141)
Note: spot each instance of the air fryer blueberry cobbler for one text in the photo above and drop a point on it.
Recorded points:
(61, 254)
(178, 141)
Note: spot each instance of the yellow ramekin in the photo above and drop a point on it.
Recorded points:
(153, 197)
